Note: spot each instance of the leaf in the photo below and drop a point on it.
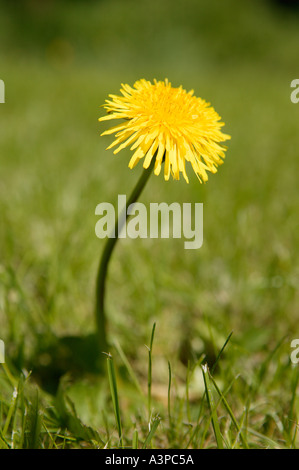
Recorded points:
(70, 419)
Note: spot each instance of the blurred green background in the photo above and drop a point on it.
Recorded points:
(59, 61)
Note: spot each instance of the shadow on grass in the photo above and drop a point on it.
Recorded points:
(73, 355)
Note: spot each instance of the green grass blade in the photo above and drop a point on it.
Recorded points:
(187, 392)
(33, 424)
(264, 367)
(220, 352)
(153, 429)
(229, 410)
(128, 367)
(149, 378)
(168, 394)
(18, 436)
(135, 440)
(268, 442)
(11, 411)
(292, 412)
(114, 396)
(214, 417)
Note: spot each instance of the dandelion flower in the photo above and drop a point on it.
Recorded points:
(167, 124)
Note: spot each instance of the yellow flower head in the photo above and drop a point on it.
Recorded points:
(167, 124)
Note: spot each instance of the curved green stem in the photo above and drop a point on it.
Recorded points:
(100, 315)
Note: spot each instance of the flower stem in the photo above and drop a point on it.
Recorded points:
(100, 315)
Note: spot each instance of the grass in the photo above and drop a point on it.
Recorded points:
(31, 421)
(196, 385)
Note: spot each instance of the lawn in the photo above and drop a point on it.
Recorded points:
(199, 340)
